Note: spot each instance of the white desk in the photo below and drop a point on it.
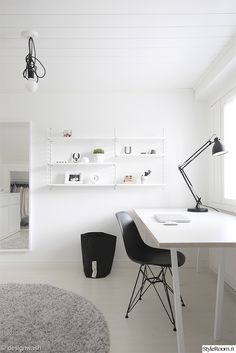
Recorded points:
(210, 229)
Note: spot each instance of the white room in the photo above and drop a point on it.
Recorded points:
(132, 92)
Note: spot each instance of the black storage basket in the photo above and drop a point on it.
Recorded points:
(97, 252)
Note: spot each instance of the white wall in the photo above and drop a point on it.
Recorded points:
(59, 216)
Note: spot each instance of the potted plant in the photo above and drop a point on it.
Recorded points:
(99, 155)
(144, 176)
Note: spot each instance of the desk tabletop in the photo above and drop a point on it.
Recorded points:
(209, 229)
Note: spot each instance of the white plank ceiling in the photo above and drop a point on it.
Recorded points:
(111, 44)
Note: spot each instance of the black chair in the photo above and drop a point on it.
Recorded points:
(146, 255)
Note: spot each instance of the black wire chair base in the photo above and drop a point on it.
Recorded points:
(147, 279)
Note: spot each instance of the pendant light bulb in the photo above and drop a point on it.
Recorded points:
(31, 85)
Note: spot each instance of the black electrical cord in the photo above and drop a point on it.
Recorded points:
(213, 208)
(31, 61)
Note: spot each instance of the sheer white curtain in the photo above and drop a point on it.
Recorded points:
(24, 202)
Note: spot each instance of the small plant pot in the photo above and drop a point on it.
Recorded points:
(99, 157)
(144, 179)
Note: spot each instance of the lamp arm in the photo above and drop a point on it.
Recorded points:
(190, 186)
(189, 160)
(196, 154)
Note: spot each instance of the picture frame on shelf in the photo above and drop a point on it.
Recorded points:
(129, 179)
(74, 177)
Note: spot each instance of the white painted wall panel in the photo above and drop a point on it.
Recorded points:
(60, 216)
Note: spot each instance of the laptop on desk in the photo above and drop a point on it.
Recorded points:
(165, 217)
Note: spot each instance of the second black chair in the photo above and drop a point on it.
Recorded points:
(145, 255)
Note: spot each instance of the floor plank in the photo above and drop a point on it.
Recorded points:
(147, 330)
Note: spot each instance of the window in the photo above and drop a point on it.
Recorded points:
(229, 128)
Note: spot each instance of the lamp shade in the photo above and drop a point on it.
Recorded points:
(218, 147)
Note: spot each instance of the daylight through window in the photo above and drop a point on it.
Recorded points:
(229, 121)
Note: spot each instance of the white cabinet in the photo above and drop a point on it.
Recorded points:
(9, 214)
(145, 153)
(3, 221)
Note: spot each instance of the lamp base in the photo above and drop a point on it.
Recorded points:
(197, 209)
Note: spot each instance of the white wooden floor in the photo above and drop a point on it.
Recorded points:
(19, 240)
(148, 329)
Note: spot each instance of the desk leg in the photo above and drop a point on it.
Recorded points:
(219, 295)
(198, 258)
(178, 307)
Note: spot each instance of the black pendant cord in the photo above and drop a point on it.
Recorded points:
(31, 60)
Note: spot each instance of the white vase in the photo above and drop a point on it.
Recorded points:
(85, 160)
(143, 179)
(99, 157)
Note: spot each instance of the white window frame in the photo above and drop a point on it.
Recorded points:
(217, 198)
(229, 97)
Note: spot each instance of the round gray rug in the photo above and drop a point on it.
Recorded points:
(49, 320)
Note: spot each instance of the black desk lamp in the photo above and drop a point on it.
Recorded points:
(217, 150)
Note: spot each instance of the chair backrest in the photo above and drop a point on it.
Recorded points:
(134, 245)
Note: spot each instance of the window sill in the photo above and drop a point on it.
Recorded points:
(224, 207)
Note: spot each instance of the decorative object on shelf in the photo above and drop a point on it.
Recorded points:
(99, 155)
(75, 157)
(217, 150)
(67, 133)
(129, 179)
(144, 176)
(31, 71)
(127, 149)
(149, 151)
(85, 160)
(74, 178)
(94, 179)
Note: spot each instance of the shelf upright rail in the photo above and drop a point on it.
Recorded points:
(164, 171)
(50, 155)
(115, 160)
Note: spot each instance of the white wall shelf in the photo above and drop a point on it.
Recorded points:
(77, 185)
(77, 139)
(105, 164)
(161, 138)
(105, 185)
(135, 164)
(138, 185)
(143, 155)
